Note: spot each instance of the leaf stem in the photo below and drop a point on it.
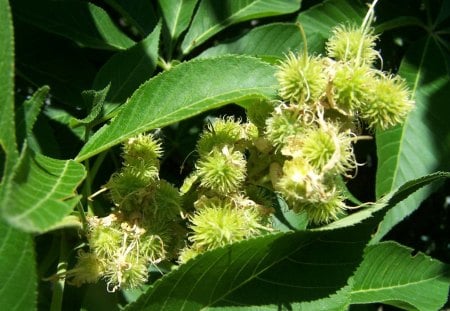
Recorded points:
(58, 288)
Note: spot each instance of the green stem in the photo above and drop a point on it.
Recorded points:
(58, 288)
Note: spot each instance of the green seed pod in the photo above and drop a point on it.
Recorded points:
(218, 223)
(142, 149)
(389, 103)
(282, 124)
(302, 79)
(220, 133)
(350, 43)
(327, 209)
(222, 171)
(350, 85)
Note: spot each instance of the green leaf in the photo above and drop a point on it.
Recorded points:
(8, 144)
(422, 144)
(140, 14)
(41, 192)
(126, 70)
(390, 201)
(95, 100)
(288, 267)
(273, 269)
(182, 92)
(18, 280)
(214, 16)
(29, 112)
(321, 18)
(83, 22)
(177, 15)
(269, 42)
(390, 274)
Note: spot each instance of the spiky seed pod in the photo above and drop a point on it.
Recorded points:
(299, 181)
(142, 149)
(282, 124)
(88, 269)
(217, 223)
(350, 43)
(350, 85)
(128, 189)
(302, 79)
(325, 148)
(165, 204)
(125, 270)
(222, 170)
(328, 209)
(219, 133)
(389, 103)
(105, 240)
(186, 254)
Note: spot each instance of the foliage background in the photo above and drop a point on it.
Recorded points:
(112, 47)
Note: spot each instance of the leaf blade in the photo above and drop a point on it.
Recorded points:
(426, 130)
(7, 133)
(184, 91)
(128, 69)
(212, 17)
(177, 15)
(389, 273)
(41, 192)
(18, 279)
(82, 22)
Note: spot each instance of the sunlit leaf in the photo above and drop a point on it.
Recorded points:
(7, 129)
(390, 274)
(184, 91)
(41, 192)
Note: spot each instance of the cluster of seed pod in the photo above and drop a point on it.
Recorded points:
(142, 230)
(299, 147)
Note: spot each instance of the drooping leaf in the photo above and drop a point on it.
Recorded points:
(140, 14)
(41, 192)
(18, 280)
(126, 70)
(184, 91)
(389, 202)
(8, 145)
(214, 16)
(28, 113)
(177, 15)
(321, 18)
(390, 274)
(83, 22)
(422, 144)
(95, 100)
(269, 42)
(287, 267)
